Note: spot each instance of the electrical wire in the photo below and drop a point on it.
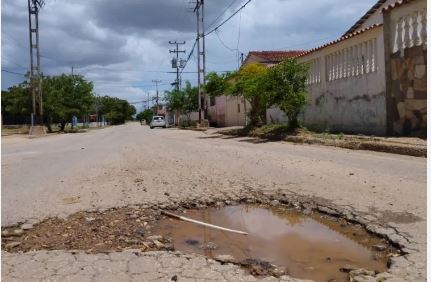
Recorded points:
(12, 72)
(221, 41)
(224, 11)
(226, 20)
(305, 43)
(189, 56)
(9, 59)
(239, 37)
(239, 30)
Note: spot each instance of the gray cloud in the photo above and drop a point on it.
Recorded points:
(121, 45)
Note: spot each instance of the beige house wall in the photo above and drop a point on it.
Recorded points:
(235, 111)
(346, 91)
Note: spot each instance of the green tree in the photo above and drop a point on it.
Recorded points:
(116, 110)
(184, 101)
(176, 100)
(250, 82)
(191, 98)
(146, 115)
(285, 87)
(66, 96)
(216, 84)
(17, 100)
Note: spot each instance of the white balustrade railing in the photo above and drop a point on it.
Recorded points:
(314, 75)
(410, 30)
(352, 61)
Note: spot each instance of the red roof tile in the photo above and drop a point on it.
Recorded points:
(339, 39)
(394, 5)
(368, 14)
(274, 56)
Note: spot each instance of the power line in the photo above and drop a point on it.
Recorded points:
(239, 37)
(12, 72)
(12, 61)
(221, 41)
(189, 56)
(224, 11)
(305, 43)
(129, 85)
(226, 20)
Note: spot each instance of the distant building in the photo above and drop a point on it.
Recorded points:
(231, 110)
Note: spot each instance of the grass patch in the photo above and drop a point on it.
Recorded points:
(14, 130)
(269, 131)
(301, 135)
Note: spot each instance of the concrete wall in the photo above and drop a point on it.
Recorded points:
(346, 92)
(235, 111)
(407, 82)
(216, 113)
(194, 117)
(229, 111)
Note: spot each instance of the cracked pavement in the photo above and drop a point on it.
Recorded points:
(133, 165)
(131, 265)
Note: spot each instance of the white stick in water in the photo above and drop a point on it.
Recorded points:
(203, 223)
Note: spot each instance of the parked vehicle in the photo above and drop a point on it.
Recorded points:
(158, 121)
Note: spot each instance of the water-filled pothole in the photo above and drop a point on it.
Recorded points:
(311, 247)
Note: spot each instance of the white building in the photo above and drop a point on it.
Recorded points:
(372, 80)
(232, 110)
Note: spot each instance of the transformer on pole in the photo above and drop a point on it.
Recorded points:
(176, 62)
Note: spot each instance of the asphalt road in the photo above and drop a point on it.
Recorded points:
(61, 174)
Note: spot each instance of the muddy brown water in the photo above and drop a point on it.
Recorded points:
(308, 247)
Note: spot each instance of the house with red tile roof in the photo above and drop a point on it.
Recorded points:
(232, 110)
(372, 17)
(372, 80)
(269, 58)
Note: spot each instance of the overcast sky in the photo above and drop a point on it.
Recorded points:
(123, 45)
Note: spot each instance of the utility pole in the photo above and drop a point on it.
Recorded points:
(245, 100)
(176, 64)
(72, 70)
(148, 100)
(199, 10)
(35, 73)
(157, 94)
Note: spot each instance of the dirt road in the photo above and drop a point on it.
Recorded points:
(62, 174)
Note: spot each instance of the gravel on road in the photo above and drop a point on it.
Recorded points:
(133, 165)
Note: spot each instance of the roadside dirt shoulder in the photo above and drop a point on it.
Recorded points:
(403, 146)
